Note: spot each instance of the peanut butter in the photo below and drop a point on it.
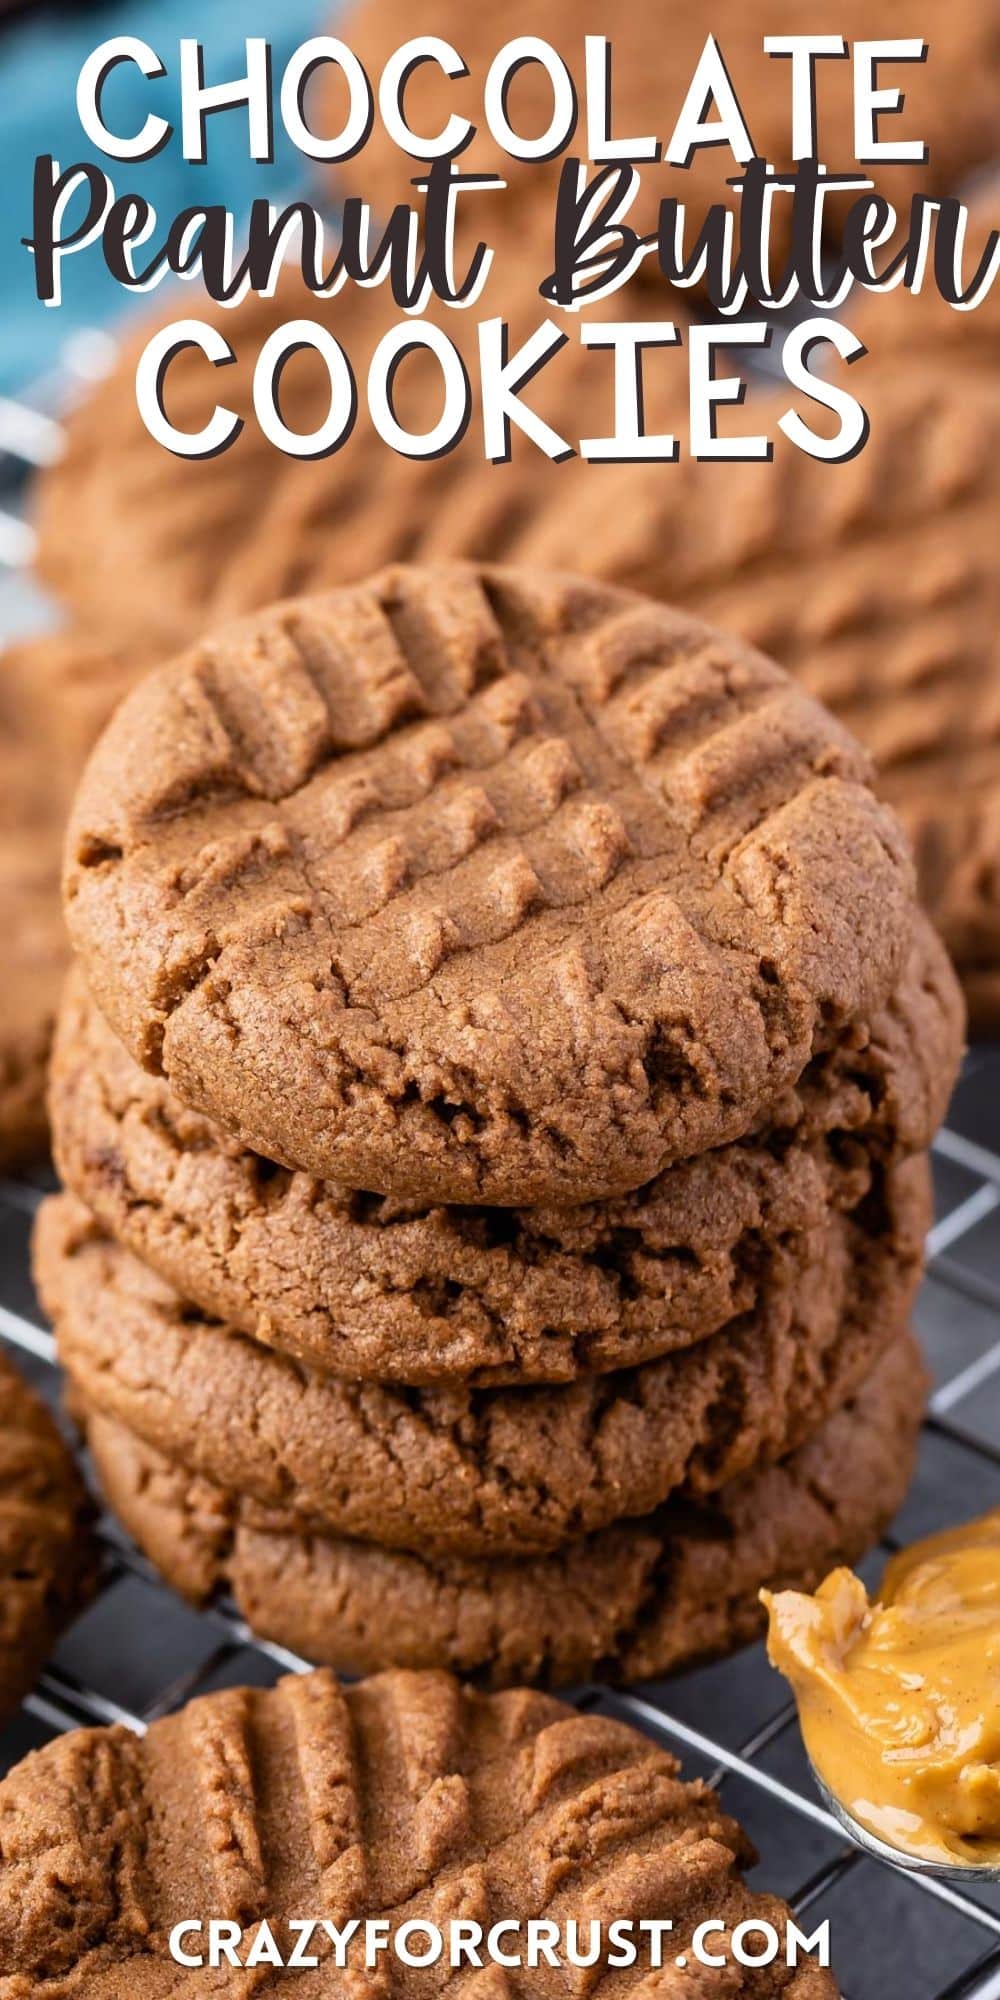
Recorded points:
(899, 1700)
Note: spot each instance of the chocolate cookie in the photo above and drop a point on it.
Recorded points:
(950, 99)
(47, 1562)
(640, 1599)
(362, 1285)
(55, 695)
(480, 1471)
(35, 963)
(407, 1798)
(475, 884)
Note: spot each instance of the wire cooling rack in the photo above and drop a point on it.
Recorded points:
(139, 1652)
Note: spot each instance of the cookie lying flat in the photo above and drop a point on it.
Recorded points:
(481, 885)
(407, 1798)
(478, 1471)
(31, 820)
(46, 1559)
(390, 1290)
(640, 1599)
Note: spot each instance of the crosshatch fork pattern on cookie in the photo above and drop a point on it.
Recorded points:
(140, 1652)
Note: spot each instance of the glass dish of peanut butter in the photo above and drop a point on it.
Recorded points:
(899, 1698)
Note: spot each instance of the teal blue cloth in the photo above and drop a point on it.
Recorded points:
(41, 52)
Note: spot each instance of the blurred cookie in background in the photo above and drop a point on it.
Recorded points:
(32, 927)
(910, 322)
(633, 1602)
(56, 692)
(451, 1470)
(393, 1290)
(31, 812)
(950, 99)
(875, 582)
(409, 1802)
(182, 543)
(47, 1561)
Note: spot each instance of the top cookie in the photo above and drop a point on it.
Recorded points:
(481, 885)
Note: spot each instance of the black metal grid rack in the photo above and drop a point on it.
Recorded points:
(139, 1652)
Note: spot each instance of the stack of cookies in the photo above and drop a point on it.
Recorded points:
(493, 1100)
